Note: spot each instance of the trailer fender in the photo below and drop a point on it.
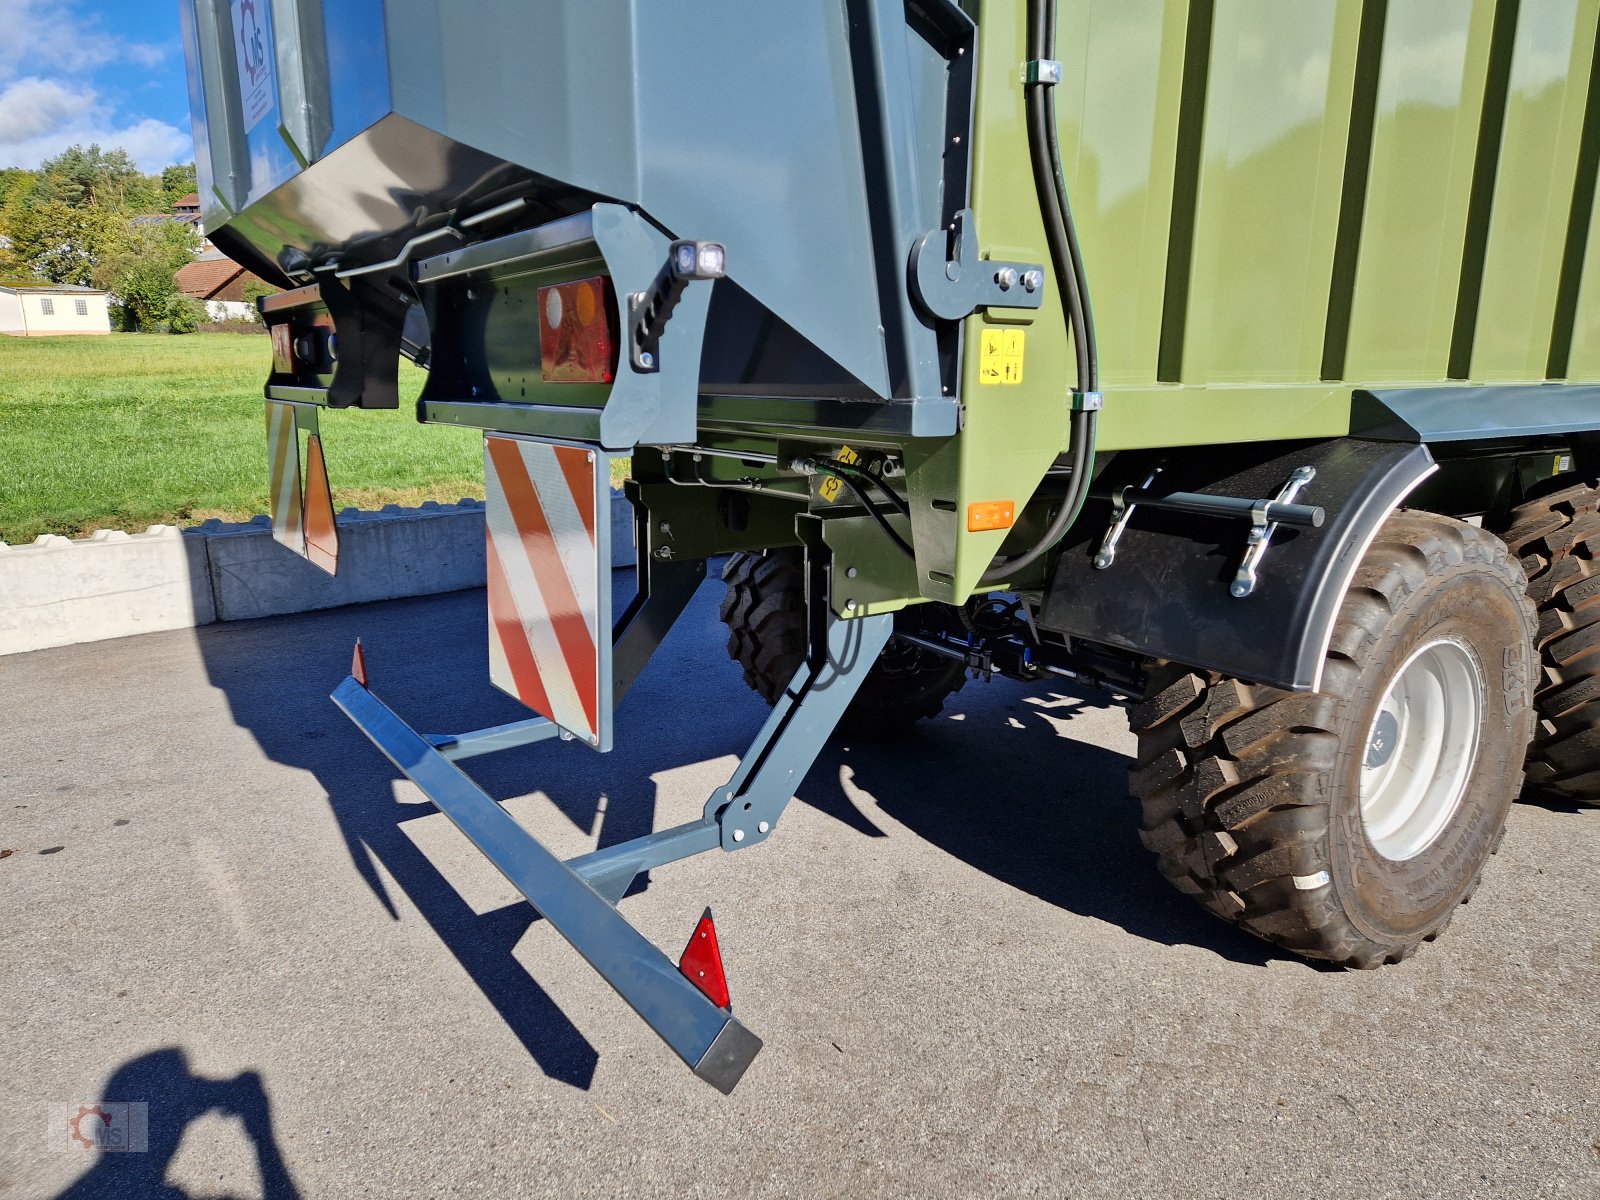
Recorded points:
(1169, 589)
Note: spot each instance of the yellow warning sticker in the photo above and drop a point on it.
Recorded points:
(1000, 356)
(831, 486)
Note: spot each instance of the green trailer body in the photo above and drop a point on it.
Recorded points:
(1278, 199)
(1143, 343)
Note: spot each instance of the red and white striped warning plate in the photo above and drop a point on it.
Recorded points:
(302, 510)
(550, 581)
(283, 455)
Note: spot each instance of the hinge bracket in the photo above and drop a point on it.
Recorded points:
(950, 281)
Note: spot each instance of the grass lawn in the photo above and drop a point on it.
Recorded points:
(126, 430)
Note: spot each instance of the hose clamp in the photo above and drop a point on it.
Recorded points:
(1041, 70)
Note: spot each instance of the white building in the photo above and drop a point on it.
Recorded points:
(53, 309)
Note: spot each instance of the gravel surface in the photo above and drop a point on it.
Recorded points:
(221, 902)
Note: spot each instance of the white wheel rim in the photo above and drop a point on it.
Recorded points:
(1420, 749)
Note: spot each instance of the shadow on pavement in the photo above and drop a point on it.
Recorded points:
(427, 658)
(1060, 827)
(176, 1097)
(1002, 788)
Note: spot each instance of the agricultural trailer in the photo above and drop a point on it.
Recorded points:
(1310, 485)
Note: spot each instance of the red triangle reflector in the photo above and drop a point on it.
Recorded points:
(358, 664)
(701, 963)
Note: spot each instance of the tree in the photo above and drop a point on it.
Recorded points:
(99, 178)
(140, 270)
(60, 243)
(255, 290)
(178, 182)
(184, 314)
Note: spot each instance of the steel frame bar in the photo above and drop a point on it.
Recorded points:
(748, 806)
(456, 746)
(612, 870)
(579, 896)
(712, 1042)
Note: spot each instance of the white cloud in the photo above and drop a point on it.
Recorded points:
(151, 144)
(48, 56)
(30, 108)
(45, 35)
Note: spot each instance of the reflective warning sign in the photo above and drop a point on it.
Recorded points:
(1000, 356)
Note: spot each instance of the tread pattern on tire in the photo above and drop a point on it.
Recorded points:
(764, 610)
(1554, 536)
(1232, 776)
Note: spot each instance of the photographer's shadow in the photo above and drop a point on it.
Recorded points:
(176, 1098)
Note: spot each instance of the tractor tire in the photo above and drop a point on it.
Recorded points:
(1348, 824)
(765, 612)
(1557, 536)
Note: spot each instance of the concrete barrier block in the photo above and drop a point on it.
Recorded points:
(382, 556)
(57, 592)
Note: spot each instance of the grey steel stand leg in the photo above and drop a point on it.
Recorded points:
(713, 1044)
(579, 897)
(806, 714)
(745, 811)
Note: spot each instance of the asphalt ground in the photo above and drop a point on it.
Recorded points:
(222, 903)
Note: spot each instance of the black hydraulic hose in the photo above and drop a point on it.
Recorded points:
(1089, 361)
(1067, 260)
(865, 501)
(888, 493)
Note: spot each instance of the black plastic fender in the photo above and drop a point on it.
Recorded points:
(1166, 593)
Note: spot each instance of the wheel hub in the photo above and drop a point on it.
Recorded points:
(1421, 749)
(1383, 739)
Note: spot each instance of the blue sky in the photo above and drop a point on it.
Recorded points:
(81, 71)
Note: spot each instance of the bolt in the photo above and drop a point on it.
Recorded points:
(1006, 277)
(591, 456)
(646, 359)
(738, 835)
(663, 552)
(1032, 281)
(664, 527)
(763, 827)
(849, 606)
(851, 572)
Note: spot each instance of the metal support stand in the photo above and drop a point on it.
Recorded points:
(748, 807)
(579, 896)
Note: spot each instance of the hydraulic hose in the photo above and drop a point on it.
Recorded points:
(850, 481)
(1067, 260)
